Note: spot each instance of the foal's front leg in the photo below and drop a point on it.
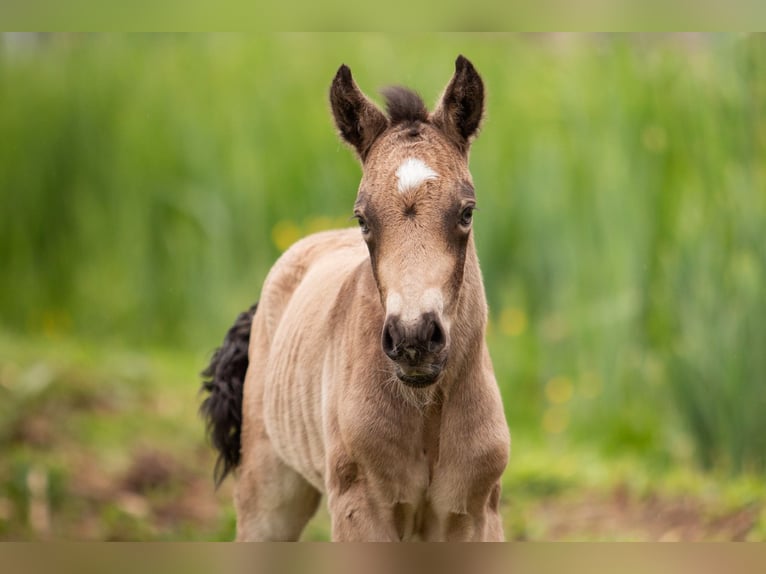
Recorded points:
(355, 512)
(479, 520)
(356, 518)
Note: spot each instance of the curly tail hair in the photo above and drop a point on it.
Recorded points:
(224, 379)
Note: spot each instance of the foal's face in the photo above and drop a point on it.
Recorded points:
(414, 207)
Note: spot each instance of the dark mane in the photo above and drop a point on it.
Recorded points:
(403, 105)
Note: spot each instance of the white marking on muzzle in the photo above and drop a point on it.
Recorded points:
(412, 173)
(430, 300)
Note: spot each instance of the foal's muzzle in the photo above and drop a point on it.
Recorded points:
(418, 349)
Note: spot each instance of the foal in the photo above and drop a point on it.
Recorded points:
(364, 374)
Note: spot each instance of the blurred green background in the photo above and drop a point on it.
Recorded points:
(149, 182)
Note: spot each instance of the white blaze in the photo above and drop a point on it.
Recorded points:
(412, 173)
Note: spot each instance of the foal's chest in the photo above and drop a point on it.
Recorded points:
(397, 457)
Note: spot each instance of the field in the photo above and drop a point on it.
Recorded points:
(149, 182)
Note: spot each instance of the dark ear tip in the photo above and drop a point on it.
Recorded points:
(343, 74)
(462, 63)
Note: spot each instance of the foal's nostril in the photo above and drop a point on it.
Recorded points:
(437, 340)
(388, 341)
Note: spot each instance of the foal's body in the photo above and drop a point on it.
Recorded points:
(366, 375)
(391, 468)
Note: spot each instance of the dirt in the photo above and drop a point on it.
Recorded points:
(158, 495)
(620, 515)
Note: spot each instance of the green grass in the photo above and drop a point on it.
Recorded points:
(149, 182)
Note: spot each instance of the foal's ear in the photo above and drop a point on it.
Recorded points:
(359, 121)
(459, 112)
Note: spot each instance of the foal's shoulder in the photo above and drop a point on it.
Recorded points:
(310, 249)
(306, 253)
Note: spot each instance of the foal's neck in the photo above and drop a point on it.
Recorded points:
(469, 327)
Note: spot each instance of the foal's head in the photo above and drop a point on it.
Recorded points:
(414, 207)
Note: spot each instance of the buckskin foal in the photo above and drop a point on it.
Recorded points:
(364, 374)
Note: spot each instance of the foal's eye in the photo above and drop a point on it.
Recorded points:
(362, 224)
(466, 216)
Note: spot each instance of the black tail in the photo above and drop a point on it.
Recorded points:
(224, 379)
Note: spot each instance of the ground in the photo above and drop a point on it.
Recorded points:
(107, 445)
